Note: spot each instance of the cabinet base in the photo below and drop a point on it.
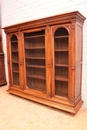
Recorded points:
(2, 83)
(73, 109)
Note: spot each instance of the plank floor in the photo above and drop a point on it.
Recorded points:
(20, 114)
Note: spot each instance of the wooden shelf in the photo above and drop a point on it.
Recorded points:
(61, 65)
(36, 36)
(62, 36)
(37, 58)
(32, 48)
(15, 71)
(61, 50)
(14, 41)
(15, 61)
(14, 51)
(36, 66)
(36, 76)
(60, 78)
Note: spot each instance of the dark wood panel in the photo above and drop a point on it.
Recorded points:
(2, 66)
(2, 70)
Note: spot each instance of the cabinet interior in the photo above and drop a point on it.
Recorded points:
(61, 38)
(15, 60)
(34, 43)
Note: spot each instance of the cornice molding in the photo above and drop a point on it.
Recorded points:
(62, 18)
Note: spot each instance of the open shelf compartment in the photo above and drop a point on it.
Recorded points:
(61, 53)
(15, 60)
(35, 60)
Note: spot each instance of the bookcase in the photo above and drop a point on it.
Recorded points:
(45, 60)
(2, 66)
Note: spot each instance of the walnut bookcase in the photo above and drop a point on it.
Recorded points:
(2, 66)
(45, 60)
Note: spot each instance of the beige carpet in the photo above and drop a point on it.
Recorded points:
(20, 114)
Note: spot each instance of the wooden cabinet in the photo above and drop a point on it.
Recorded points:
(2, 67)
(45, 60)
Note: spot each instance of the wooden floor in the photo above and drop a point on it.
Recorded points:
(20, 114)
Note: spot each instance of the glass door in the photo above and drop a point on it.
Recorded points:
(15, 60)
(34, 43)
(61, 39)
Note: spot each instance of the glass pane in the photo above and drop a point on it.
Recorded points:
(61, 62)
(61, 88)
(35, 60)
(15, 64)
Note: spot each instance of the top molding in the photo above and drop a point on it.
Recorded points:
(57, 19)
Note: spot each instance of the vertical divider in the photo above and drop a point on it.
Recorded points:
(48, 61)
(21, 59)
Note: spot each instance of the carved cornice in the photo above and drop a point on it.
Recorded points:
(63, 18)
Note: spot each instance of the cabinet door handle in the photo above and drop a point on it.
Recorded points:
(50, 65)
(21, 62)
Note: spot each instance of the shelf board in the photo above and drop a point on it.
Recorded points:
(60, 78)
(27, 37)
(59, 50)
(37, 58)
(15, 71)
(36, 76)
(14, 51)
(13, 41)
(36, 66)
(65, 36)
(15, 61)
(32, 48)
(61, 65)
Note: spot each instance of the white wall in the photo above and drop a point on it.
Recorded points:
(17, 11)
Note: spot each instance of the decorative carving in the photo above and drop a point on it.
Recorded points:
(46, 21)
(48, 29)
(53, 31)
(68, 26)
(18, 28)
(73, 67)
(73, 26)
(50, 65)
(79, 19)
(21, 63)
